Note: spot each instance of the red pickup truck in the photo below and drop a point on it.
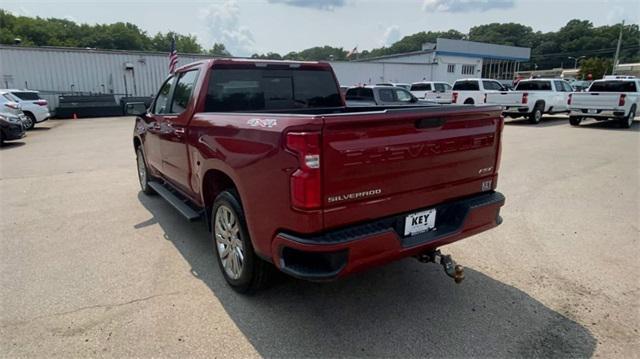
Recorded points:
(287, 176)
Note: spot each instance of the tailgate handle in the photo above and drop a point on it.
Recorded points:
(430, 122)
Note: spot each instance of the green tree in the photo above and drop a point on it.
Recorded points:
(597, 67)
(219, 50)
(184, 43)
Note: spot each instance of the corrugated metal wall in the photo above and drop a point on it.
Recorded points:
(55, 71)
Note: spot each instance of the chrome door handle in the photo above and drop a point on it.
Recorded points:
(179, 131)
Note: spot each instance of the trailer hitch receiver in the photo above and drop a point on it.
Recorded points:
(450, 267)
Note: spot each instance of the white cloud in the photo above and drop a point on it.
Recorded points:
(466, 5)
(618, 13)
(391, 34)
(223, 23)
(328, 5)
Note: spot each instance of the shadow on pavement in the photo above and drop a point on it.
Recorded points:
(547, 121)
(405, 309)
(11, 144)
(609, 125)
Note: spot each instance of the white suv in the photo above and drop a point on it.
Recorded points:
(439, 92)
(33, 106)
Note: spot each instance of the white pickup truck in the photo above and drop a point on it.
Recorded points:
(474, 91)
(438, 92)
(533, 98)
(605, 99)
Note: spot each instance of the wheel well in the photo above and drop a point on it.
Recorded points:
(214, 183)
(539, 102)
(469, 101)
(28, 113)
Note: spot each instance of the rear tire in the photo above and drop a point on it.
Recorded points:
(627, 121)
(32, 124)
(536, 116)
(575, 120)
(143, 173)
(244, 271)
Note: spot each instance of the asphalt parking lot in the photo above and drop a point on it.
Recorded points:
(89, 266)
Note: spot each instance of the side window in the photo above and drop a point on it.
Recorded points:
(567, 87)
(386, 95)
(403, 96)
(447, 87)
(162, 100)
(439, 87)
(491, 85)
(559, 86)
(183, 91)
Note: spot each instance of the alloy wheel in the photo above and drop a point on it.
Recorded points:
(228, 242)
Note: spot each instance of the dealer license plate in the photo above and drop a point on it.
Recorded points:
(420, 222)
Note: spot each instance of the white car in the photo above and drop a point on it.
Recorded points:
(617, 98)
(474, 91)
(533, 98)
(439, 92)
(33, 106)
(11, 108)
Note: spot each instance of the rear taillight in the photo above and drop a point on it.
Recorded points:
(454, 97)
(525, 97)
(12, 105)
(305, 182)
(41, 102)
(621, 100)
(569, 99)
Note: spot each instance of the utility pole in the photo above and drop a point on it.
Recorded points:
(615, 59)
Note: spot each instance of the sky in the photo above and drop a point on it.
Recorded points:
(260, 26)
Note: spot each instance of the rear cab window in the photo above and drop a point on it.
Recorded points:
(260, 89)
(613, 86)
(467, 85)
(359, 94)
(421, 87)
(533, 86)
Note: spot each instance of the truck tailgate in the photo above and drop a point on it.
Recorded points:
(595, 100)
(389, 162)
(507, 98)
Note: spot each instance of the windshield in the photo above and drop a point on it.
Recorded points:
(533, 86)
(613, 86)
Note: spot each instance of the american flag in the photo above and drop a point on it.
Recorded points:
(173, 56)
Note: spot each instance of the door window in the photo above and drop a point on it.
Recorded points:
(439, 87)
(492, 85)
(386, 95)
(402, 95)
(183, 91)
(559, 86)
(162, 100)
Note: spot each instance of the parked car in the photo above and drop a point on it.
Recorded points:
(395, 84)
(473, 91)
(617, 99)
(11, 127)
(533, 98)
(10, 107)
(381, 96)
(33, 106)
(439, 92)
(287, 176)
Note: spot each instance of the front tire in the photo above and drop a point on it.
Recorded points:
(626, 122)
(32, 121)
(241, 267)
(143, 173)
(575, 120)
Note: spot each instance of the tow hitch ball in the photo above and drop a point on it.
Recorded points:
(450, 267)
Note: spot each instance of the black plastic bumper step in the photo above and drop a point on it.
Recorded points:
(182, 207)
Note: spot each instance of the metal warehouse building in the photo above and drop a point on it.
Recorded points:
(56, 71)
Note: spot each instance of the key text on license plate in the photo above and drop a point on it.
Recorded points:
(420, 222)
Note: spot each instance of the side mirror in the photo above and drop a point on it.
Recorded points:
(135, 108)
